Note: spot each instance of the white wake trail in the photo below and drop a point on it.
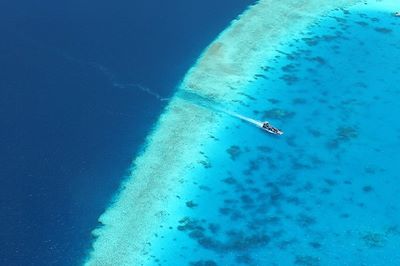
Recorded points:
(143, 89)
(244, 118)
(196, 99)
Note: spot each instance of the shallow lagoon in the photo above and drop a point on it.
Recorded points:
(325, 192)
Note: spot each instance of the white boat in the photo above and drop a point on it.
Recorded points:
(271, 129)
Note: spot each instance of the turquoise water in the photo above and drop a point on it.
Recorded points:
(325, 193)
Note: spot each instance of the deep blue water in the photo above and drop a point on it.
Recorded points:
(324, 193)
(68, 135)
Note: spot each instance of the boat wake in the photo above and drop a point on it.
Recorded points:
(244, 118)
(142, 88)
(216, 107)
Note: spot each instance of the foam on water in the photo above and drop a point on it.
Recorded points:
(191, 139)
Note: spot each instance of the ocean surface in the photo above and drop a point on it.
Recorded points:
(83, 83)
(79, 89)
(324, 193)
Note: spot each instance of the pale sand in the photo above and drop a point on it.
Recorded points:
(144, 200)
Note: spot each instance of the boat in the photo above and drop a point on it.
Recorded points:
(397, 14)
(271, 129)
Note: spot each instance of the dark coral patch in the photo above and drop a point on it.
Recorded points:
(266, 68)
(343, 133)
(191, 204)
(311, 41)
(253, 165)
(332, 144)
(318, 60)
(234, 152)
(237, 241)
(339, 19)
(307, 260)
(225, 211)
(229, 180)
(345, 11)
(374, 240)
(304, 220)
(362, 23)
(308, 186)
(315, 245)
(291, 141)
(246, 199)
(383, 30)
(289, 79)
(256, 76)
(367, 189)
(330, 182)
(346, 133)
(361, 85)
(273, 101)
(214, 228)
(289, 68)
(329, 38)
(189, 224)
(203, 263)
(299, 101)
(247, 96)
(314, 132)
(206, 164)
(326, 191)
(277, 113)
(344, 215)
(370, 170)
(236, 215)
(196, 234)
